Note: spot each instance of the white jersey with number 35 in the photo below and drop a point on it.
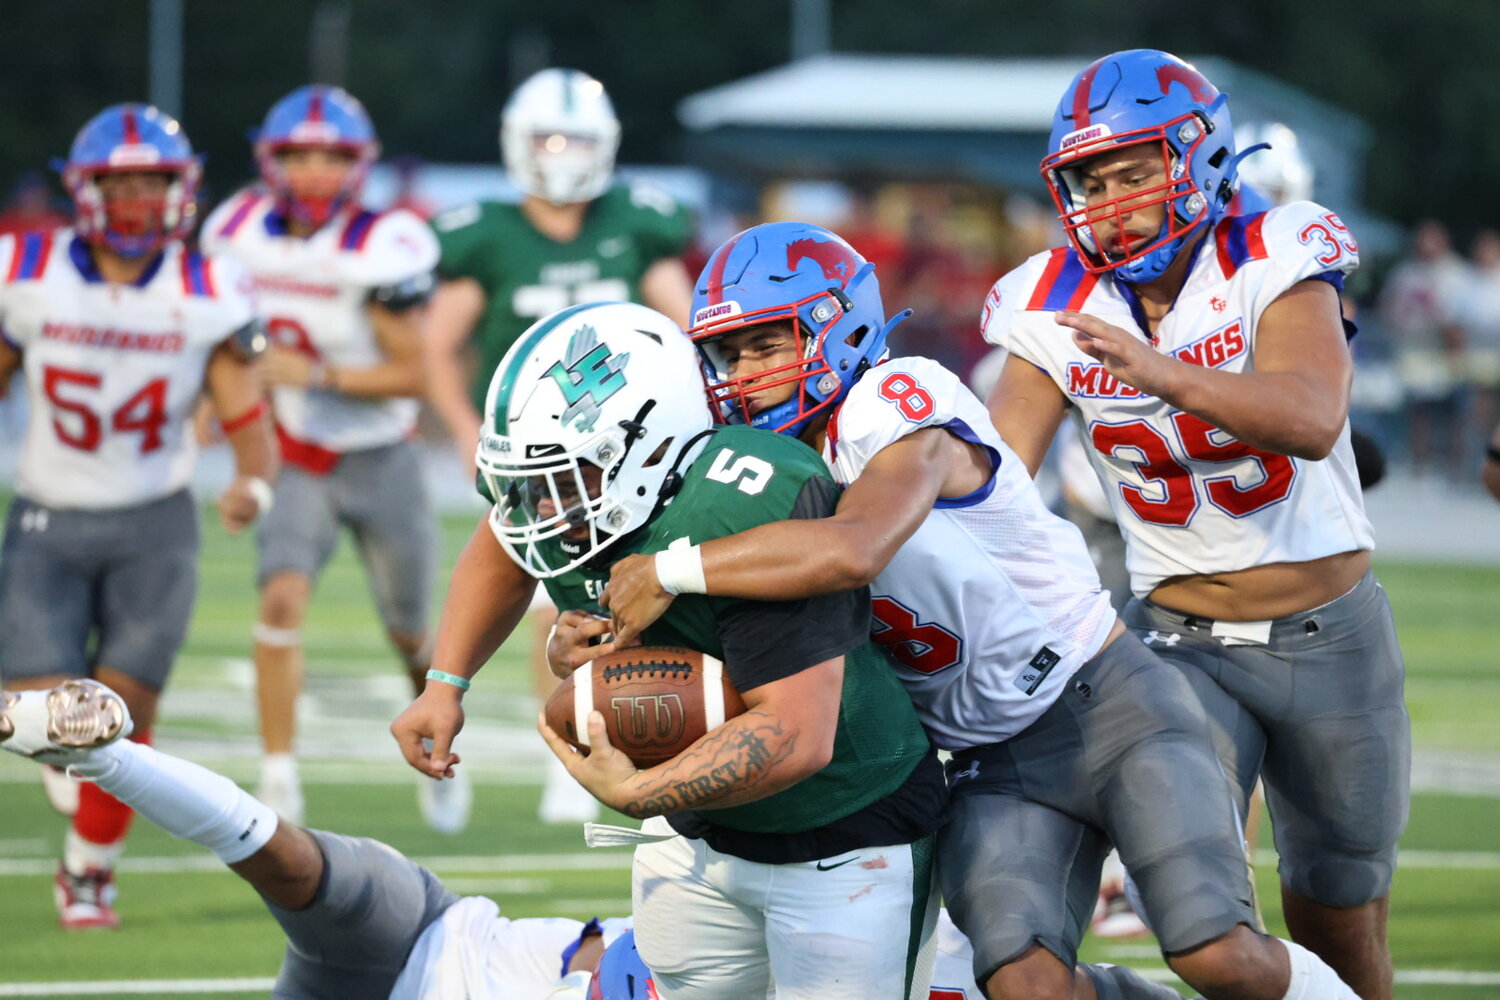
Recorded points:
(314, 294)
(1189, 498)
(112, 371)
(993, 604)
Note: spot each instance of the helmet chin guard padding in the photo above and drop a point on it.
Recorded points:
(1148, 98)
(805, 276)
(587, 417)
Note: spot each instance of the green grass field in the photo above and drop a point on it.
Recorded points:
(185, 919)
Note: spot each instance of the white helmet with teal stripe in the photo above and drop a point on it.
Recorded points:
(559, 136)
(587, 417)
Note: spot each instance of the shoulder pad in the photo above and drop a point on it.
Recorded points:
(406, 294)
(457, 218)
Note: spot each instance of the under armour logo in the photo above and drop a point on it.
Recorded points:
(972, 771)
(34, 520)
(1170, 639)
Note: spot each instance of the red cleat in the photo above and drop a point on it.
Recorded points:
(85, 902)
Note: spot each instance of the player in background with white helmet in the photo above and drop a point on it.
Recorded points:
(575, 236)
(1066, 732)
(118, 328)
(342, 290)
(1205, 358)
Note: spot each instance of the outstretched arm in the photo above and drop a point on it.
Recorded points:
(785, 560)
(487, 597)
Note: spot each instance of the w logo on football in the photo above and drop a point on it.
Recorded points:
(648, 720)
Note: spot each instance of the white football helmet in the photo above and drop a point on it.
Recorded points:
(587, 418)
(559, 136)
(1282, 173)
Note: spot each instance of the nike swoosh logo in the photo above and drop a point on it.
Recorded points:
(828, 868)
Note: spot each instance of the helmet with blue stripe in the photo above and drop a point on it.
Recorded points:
(621, 974)
(132, 138)
(809, 278)
(1151, 99)
(316, 116)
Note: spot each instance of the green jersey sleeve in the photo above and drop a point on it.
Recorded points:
(463, 242)
(663, 227)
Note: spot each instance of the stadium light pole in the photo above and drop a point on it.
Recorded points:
(165, 61)
(811, 33)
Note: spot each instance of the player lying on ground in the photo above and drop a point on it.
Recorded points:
(361, 920)
(598, 444)
(1066, 732)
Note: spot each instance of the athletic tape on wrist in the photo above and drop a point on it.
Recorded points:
(261, 491)
(680, 571)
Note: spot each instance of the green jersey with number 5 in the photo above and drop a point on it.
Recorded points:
(526, 275)
(744, 478)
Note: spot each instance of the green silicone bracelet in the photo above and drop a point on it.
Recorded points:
(462, 683)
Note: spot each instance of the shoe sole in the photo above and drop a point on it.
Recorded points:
(84, 715)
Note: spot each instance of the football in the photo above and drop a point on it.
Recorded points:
(657, 701)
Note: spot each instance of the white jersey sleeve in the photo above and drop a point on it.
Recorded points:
(993, 603)
(471, 952)
(399, 247)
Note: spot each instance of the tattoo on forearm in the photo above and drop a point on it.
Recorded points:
(739, 763)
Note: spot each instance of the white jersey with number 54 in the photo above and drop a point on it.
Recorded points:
(993, 604)
(1189, 498)
(112, 371)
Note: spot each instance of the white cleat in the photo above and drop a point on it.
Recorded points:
(64, 725)
(281, 788)
(446, 804)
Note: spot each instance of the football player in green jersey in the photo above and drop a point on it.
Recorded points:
(574, 237)
(796, 839)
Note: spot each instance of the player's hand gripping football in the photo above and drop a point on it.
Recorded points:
(426, 729)
(1124, 355)
(604, 773)
(573, 641)
(634, 598)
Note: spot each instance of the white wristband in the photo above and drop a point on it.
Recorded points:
(680, 570)
(261, 491)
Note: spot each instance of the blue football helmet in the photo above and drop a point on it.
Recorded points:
(621, 975)
(809, 277)
(1150, 98)
(318, 116)
(132, 138)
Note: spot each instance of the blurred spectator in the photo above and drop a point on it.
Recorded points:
(1479, 315)
(1419, 305)
(407, 168)
(30, 206)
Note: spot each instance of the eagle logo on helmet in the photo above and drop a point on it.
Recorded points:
(588, 374)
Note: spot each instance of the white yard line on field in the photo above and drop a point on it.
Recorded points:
(458, 864)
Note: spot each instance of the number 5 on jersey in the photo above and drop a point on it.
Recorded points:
(747, 472)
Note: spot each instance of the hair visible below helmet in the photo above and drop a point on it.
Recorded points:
(315, 115)
(1274, 163)
(586, 419)
(132, 138)
(621, 975)
(559, 136)
(809, 277)
(1150, 98)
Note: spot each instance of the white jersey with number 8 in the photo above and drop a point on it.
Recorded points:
(112, 371)
(1189, 498)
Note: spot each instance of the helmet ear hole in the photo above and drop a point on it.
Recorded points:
(1218, 157)
(857, 337)
(656, 457)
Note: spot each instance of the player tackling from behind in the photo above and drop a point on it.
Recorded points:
(1205, 359)
(342, 290)
(1066, 732)
(797, 844)
(118, 328)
